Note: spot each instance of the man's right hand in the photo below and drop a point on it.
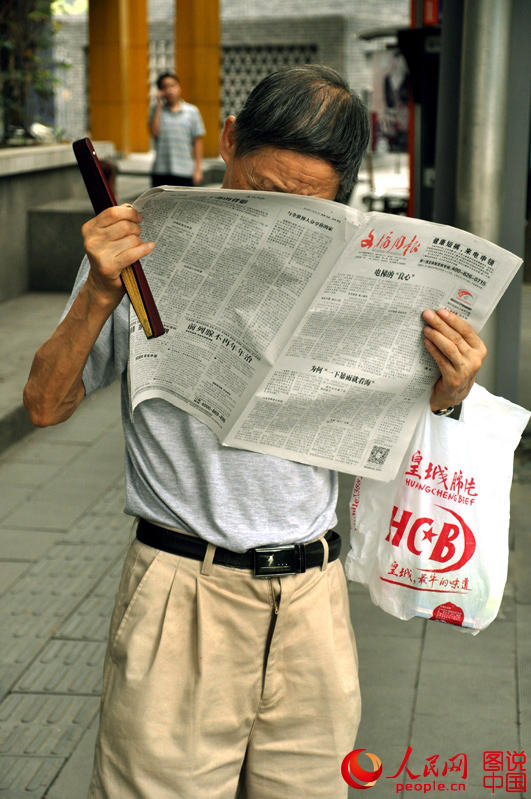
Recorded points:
(55, 384)
(112, 242)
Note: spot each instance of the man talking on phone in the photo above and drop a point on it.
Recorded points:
(217, 681)
(177, 130)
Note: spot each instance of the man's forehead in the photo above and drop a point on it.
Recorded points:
(278, 169)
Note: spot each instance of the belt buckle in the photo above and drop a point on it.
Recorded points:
(279, 561)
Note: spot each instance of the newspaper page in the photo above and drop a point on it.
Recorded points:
(231, 273)
(294, 324)
(350, 385)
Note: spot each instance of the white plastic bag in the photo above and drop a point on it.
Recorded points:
(434, 541)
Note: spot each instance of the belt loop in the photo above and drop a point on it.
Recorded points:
(324, 542)
(206, 566)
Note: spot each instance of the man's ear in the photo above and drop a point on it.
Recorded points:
(227, 145)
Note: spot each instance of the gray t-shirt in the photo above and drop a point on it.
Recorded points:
(173, 146)
(179, 476)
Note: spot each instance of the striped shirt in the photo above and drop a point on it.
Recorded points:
(173, 145)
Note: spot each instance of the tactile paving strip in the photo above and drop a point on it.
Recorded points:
(65, 667)
(27, 777)
(54, 585)
(90, 622)
(101, 530)
(108, 585)
(44, 597)
(36, 724)
(112, 501)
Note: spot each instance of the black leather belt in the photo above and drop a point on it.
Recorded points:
(264, 561)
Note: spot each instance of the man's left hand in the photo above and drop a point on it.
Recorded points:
(458, 351)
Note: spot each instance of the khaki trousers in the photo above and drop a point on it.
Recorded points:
(218, 684)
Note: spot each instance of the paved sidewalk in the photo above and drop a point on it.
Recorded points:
(62, 540)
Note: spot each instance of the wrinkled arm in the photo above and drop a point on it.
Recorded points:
(55, 386)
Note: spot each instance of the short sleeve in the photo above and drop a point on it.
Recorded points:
(108, 357)
(198, 128)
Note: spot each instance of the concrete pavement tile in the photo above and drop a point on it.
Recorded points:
(42, 709)
(13, 473)
(65, 667)
(525, 733)
(9, 572)
(27, 777)
(42, 599)
(26, 545)
(108, 585)
(446, 644)
(460, 734)
(71, 560)
(9, 674)
(506, 613)
(384, 659)
(66, 570)
(34, 617)
(41, 725)
(462, 693)
(520, 498)
(12, 498)
(370, 620)
(99, 529)
(87, 424)
(522, 574)
(387, 707)
(112, 501)
(428, 739)
(90, 622)
(25, 451)
(74, 778)
(32, 740)
(45, 514)
(20, 649)
(523, 628)
(355, 588)
(73, 489)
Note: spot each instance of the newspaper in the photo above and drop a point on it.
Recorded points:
(294, 324)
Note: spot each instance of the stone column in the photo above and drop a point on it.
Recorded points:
(118, 73)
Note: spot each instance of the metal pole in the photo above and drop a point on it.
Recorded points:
(482, 124)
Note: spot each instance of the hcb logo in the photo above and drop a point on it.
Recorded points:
(452, 546)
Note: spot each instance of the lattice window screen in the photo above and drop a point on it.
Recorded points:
(243, 66)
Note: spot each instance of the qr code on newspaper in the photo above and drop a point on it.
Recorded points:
(378, 455)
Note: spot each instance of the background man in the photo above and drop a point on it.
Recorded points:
(177, 130)
(213, 676)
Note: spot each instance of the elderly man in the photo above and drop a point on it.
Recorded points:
(215, 680)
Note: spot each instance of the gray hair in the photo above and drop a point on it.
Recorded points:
(309, 109)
